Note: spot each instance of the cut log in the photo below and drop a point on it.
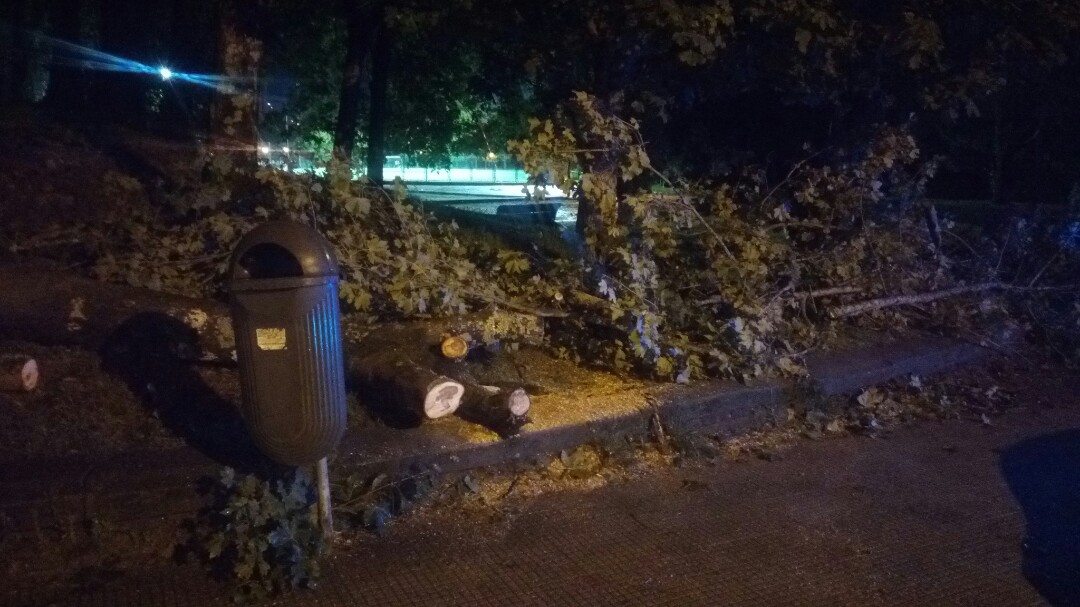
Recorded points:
(389, 364)
(502, 408)
(403, 388)
(503, 411)
(18, 374)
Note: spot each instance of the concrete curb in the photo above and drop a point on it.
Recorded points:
(123, 486)
(850, 371)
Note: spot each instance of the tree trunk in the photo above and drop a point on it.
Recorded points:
(12, 57)
(360, 31)
(35, 53)
(601, 168)
(117, 96)
(380, 77)
(7, 62)
(235, 108)
(66, 95)
(997, 167)
(588, 217)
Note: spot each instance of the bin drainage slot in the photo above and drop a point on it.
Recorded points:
(269, 260)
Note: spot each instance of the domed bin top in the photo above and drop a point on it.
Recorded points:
(282, 254)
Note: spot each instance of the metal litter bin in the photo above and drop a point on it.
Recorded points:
(284, 303)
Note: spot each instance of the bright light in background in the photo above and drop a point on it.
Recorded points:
(285, 149)
(491, 156)
(264, 149)
(81, 57)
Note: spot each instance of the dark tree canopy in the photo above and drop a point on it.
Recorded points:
(987, 85)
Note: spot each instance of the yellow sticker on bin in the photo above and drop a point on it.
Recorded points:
(270, 339)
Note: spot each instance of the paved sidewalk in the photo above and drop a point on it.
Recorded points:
(953, 513)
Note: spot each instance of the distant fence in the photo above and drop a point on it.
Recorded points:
(456, 175)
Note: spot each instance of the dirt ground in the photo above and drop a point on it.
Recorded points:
(77, 409)
(82, 408)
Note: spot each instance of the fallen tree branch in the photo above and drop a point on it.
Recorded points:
(1044, 269)
(830, 292)
(815, 294)
(519, 308)
(901, 300)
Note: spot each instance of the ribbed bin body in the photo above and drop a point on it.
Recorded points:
(284, 304)
(292, 382)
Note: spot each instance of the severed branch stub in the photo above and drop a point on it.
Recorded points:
(18, 373)
(454, 347)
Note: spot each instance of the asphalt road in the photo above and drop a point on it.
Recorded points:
(939, 513)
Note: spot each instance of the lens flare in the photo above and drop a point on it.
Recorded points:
(74, 56)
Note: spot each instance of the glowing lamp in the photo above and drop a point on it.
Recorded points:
(165, 72)
(264, 149)
(491, 156)
(285, 149)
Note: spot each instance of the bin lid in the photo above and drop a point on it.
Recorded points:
(282, 249)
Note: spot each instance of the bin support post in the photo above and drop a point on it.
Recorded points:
(326, 517)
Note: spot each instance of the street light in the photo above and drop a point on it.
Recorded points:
(165, 73)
